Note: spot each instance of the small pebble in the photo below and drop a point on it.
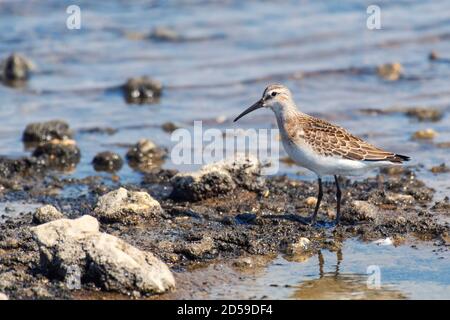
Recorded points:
(433, 55)
(390, 71)
(442, 168)
(165, 34)
(142, 90)
(425, 134)
(311, 201)
(443, 145)
(107, 161)
(425, 113)
(169, 127)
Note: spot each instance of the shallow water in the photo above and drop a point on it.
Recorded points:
(405, 272)
(13, 209)
(236, 49)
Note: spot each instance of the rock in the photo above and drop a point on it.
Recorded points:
(311, 201)
(433, 56)
(401, 220)
(15, 69)
(99, 130)
(298, 247)
(38, 132)
(244, 262)
(10, 168)
(442, 168)
(198, 249)
(393, 170)
(169, 127)
(252, 263)
(58, 154)
(399, 198)
(3, 296)
(425, 113)
(145, 155)
(443, 145)
(46, 214)
(114, 265)
(131, 35)
(218, 179)
(158, 176)
(165, 34)
(126, 206)
(390, 71)
(142, 90)
(107, 161)
(364, 210)
(425, 134)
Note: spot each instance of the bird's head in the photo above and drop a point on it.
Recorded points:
(276, 97)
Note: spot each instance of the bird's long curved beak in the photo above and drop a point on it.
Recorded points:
(258, 104)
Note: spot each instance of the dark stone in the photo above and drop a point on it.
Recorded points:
(46, 131)
(58, 155)
(210, 184)
(442, 168)
(145, 155)
(9, 168)
(433, 55)
(15, 70)
(107, 161)
(169, 127)
(165, 34)
(142, 90)
(217, 180)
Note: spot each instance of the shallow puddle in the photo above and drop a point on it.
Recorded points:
(359, 271)
(14, 209)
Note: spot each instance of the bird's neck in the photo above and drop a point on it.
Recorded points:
(286, 114)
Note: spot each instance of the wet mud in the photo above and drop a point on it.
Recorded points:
(240, 225)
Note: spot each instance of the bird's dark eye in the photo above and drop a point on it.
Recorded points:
(273, 94)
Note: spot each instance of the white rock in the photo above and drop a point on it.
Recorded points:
(106, 259)
(398, 197)
(218, 178)
(365, 210)
(299, 247)
(46, 214)
(126, 206)
(3, 296)
(49, 234)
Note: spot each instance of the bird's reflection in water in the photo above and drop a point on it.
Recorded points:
(337, 285)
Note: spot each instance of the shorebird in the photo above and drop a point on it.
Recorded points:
(323, 148)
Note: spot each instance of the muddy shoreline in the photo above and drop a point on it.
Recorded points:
(238, 227)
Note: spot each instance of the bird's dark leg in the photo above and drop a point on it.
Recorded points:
(319, 199)
(338, 200)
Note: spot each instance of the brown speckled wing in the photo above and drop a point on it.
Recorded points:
(330, 140)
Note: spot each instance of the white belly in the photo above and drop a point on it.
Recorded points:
(304, 156)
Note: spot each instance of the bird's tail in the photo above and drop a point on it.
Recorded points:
(400, 158)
